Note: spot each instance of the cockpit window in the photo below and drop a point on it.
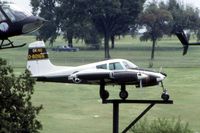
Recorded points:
(103, 66)
(2, 17)
(9, 14)
(129, 65)
(115, 66)
(15, 13)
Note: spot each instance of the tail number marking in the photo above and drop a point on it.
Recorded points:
(37, 54)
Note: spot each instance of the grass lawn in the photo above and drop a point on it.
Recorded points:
(77, 108)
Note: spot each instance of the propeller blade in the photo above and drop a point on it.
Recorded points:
(141, 84)
(161, 69)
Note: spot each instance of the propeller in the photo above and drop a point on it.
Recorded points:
(161, 71)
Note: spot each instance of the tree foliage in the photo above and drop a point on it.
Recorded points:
(92, 37)
(185, 16)
(47, 9)
(17, 114)
(112, 17)
(157, 22)
(73, 19)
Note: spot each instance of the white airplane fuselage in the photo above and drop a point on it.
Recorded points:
(114, 71)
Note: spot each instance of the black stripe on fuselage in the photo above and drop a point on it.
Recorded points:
(54, 79)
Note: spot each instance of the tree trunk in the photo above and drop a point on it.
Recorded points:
(152, 53)
(153, 49)
(106, 46)
(113, 42)
(70, 39)
(70, 42)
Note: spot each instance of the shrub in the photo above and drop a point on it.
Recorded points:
(17, 114)
(162, 126)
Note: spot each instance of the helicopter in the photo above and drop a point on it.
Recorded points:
(15, 21)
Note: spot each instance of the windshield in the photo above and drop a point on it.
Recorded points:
(15, 13)
(129, 65)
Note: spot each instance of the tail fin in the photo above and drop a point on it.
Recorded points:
(38, 62)
(182, 37)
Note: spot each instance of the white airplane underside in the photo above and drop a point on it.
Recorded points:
(110, 72)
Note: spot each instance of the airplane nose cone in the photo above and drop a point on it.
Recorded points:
(161, 77)
(33, 25)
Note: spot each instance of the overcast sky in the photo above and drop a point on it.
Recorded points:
(26, 3)
(23, 3)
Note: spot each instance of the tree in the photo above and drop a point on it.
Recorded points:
(185, 16)
(35, 6)
(73, 19)
(112, 16)
(47, 9)
(17, 114)
(157, 23)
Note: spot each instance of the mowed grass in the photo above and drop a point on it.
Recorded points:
(78, 108)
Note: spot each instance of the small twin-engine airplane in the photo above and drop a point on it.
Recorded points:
(178, 31)
(110, 72)
(14, 21)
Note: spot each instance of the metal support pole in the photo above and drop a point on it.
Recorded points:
(115, 117)
(139, 117)
(116, 103)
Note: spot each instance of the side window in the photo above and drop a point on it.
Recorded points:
(103, 66)
(9, 14)
(2, 17)
(115, 66)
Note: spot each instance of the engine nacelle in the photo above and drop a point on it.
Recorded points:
(149, 81)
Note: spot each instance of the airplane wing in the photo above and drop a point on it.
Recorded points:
(91, 76)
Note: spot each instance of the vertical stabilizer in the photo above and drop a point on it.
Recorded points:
(38, 62)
